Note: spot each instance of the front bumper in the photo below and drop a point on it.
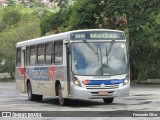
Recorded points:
(86, 94)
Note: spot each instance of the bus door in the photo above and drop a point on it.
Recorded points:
(68, 56)
(23, 66)
(68, 64)
(20, 69)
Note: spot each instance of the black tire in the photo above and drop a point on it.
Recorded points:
(62, 100)
(39, 97)
(108, 100)
(31, 96)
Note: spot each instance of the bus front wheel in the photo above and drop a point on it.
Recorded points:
(62, 100)
(108, 100)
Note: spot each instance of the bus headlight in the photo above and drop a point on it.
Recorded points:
(76, 82)
(126, 81)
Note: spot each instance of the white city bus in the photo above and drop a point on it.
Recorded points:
(81, 64)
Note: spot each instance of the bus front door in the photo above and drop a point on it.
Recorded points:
(20, 73)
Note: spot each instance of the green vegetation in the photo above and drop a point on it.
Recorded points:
(16, 26)
(7, 79)
(140, 19)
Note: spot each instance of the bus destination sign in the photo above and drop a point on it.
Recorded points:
(103, 35)
(98, 35)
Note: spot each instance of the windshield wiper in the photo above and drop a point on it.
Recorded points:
(109, 49)
(92, 49)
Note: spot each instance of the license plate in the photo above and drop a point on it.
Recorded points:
(102, 92)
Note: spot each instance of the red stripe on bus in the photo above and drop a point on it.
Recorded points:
(21, 71)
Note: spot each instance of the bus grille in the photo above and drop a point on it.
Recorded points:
(113, 86)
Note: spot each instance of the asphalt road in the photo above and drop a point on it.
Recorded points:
(142, 98)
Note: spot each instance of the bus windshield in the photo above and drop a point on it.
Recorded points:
(92, 58)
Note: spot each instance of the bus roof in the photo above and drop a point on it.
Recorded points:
(59, 36)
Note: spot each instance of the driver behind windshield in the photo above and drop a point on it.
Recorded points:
(79, 61)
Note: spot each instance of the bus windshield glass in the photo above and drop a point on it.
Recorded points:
(102, 58)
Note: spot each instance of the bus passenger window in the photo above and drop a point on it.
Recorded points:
(32, 55)
(18, 57)
(27, 55)
(40, 54)
(48, 53)
(58, 52)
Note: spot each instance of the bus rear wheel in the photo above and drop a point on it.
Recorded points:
(31, 96)
(108, 100)
(62, 100)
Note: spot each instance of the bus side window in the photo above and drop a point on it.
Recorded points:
(48, 53)
(32, 57)
(18, 57)
(58, 52)
(40, 54)
(27, 55)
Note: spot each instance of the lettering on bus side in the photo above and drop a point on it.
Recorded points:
(40, 74)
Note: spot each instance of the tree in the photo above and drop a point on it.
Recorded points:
(56, 22)
(138, 18)
(92, 14)
(10, 17)
(17, 31)
(140, 15)
(86, 14)
(11, 3)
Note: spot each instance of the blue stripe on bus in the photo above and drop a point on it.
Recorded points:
(106, 82)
